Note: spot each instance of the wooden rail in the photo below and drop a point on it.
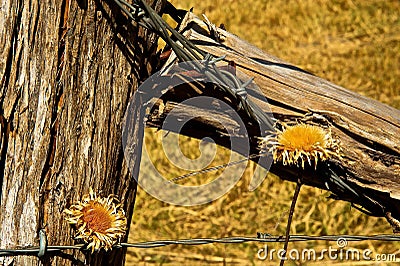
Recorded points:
(368, 130)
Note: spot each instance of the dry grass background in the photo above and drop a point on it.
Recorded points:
(355, 44)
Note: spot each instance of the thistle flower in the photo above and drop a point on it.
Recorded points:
(100, 222)
(300, 142)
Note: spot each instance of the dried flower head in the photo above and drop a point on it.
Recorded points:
(101, 222)
(292, 144)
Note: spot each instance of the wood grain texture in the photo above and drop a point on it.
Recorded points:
(68, 71)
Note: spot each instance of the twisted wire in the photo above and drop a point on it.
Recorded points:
(141, 13)
(34, 251)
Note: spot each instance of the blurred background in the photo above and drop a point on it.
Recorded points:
(355, 44)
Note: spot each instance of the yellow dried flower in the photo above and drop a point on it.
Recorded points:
(299, 142)
(100, 222)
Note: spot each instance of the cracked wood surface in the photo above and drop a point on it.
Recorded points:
(67, 73)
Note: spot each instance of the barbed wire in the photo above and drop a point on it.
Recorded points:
(262, 238)
(187, 51)
(216, 168)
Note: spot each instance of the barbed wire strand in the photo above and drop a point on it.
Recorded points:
(216, 168)
(34, 251)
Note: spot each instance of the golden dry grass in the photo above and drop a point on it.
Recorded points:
(355, 44)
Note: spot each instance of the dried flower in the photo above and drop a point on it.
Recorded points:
(101, 222)
(300, 142)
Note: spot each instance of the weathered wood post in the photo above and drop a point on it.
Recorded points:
(67, 71)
